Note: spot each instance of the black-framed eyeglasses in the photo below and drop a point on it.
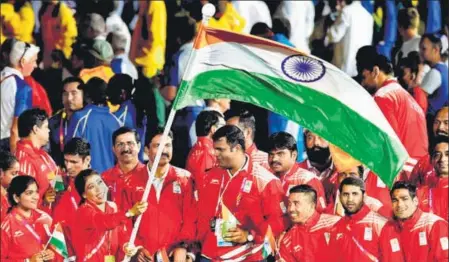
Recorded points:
(27, 46)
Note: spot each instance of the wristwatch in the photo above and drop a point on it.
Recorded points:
(250, 237)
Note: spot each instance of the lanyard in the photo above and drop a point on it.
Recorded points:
(96, 248)
(62, 130)
(430, 201)
(220, 193)
(29, 228)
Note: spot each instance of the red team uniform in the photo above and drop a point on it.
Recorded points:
(253, 196)
(201, 159)
(365, 236)
(310, 241)
(433, 197)
(21, 237)
(171, 215)
(37, 163)
(257, 156)
(424, 237)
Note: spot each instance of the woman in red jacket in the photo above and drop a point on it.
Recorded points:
(101, 230)
(9, 168)
(25, 230)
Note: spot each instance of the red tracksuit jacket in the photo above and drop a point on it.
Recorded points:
(424, 237)
(98, 234)
(298, 176)
(22, 237)
(257, 156)
(310, 241)
(117, 182)
(254, 196)
(423, 173)
(365, 236)
(434, 198)
(37, 163)
(171, 219)
(4, 207)
(201, 159)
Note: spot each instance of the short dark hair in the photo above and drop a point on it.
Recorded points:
(80, 181)
(353, 181)
(74, 79)
(205, 121)
(247, 120)
(95, 90)
(7, 159)
(438, 140)
(282, 140)
(157, 131)
(411, 61)
(260, 29)
(435, 39)
(408, 18)
(19, 184)
(371, 59)
(30, 118)
(281, 26)
(306, 189)
(118, 85)
(233, 134)
(403, 185)
(77, 146)
(123, 130)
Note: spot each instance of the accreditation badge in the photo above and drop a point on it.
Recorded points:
(109, 258)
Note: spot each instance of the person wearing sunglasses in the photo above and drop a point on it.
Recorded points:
(16, 94)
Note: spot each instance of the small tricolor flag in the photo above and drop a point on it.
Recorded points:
(269, 244)
(57, 241)
(57, 183)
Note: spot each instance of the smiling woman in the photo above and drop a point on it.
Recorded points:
(25, 229)
(100, 230)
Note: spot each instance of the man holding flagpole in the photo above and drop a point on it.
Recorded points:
(241, 203)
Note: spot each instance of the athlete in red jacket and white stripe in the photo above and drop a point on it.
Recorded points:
(310, 234)
(238, 204)
(424, 236)
(362, 235)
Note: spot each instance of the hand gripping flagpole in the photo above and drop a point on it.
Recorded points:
(208, 11)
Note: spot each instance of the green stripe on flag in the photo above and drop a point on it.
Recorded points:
(59, 246)
(325, 115)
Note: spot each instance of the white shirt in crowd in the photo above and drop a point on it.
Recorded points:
(301, 15)
(114, 23)
(352, 30)
(407, 47)
(253, 12)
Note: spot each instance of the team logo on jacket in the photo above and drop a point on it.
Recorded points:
(176, 188)
(18, 233)
(444, 243)
(215, 182)
(247, 186)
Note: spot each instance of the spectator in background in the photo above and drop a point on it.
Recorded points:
(148, 40)
(92, 27)
(17, 21)
(9, 168)
(97, 61)
(115, 25)
(434, 51)
(95, 124)
(121, 64)
(300, 14)
(408, 25)
(408, 72)
(226, 16)
(16, 94)
(58, 29)
(352, 30)
(73, 100)
(253, 12)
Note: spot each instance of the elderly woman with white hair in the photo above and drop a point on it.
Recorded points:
(16, 94)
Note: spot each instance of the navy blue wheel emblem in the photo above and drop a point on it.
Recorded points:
(303, 68)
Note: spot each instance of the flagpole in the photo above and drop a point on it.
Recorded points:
(208, 11)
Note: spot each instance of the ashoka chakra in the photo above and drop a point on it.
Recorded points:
(302, 68)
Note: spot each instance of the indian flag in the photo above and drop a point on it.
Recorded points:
(306, 89)
(269, 244)
(57, 183)
(57, 241)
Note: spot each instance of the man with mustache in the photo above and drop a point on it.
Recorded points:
(423, 236)
(319, 162)
(169, 224)
(282, 157)
(362, 235)
(424, 169)
(433, 197)
(126, 147)
(310, 234)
